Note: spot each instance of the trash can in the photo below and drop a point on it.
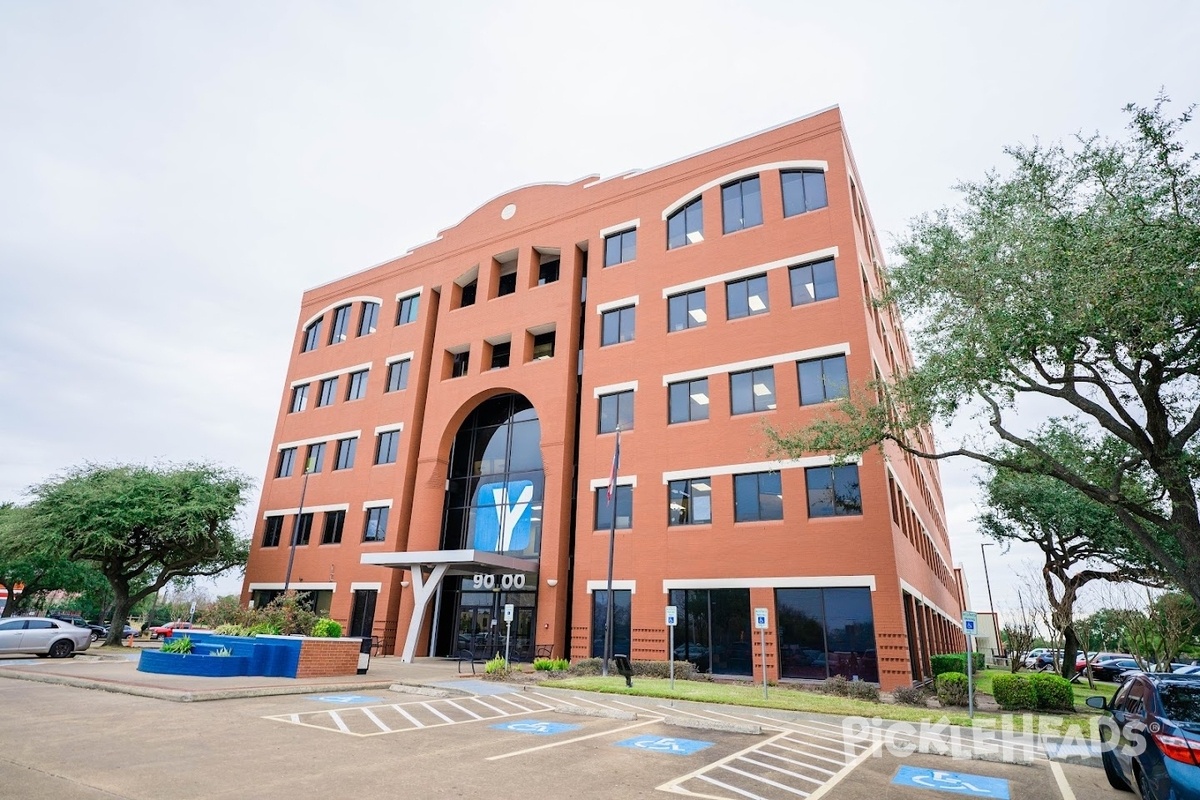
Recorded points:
(364, 655)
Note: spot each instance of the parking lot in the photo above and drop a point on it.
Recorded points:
(501, 741)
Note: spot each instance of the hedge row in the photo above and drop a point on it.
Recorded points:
(954, 662)
(684, 670)
(1037, 691)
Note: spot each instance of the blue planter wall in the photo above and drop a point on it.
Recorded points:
(269, 656)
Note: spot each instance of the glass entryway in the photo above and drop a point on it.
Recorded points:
(481, 627)
(715, 630)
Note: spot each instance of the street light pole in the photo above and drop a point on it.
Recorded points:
(987, 580)
(287, 578)
(612, 543)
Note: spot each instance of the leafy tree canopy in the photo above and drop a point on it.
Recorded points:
(37, 573)
(143, 527)
(1071, 283)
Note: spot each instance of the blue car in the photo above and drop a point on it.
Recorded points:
(1157, 749)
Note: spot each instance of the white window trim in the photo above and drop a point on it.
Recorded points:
(395, 426)
(369, 504)
(291, 512)
(333, 374)
(366, 586)
(401, 357)
(750, 467)
(602, 586)
(614, 388)
(840, 349)
(728, 177)
(407, 293)
(612, 305)
(924, 528)
(344, 301)
(632, 224)
(319, 439)
(315, 587)
(746, 272)
(781, 582)
(622, 480)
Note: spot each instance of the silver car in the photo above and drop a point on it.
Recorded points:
(42, 637)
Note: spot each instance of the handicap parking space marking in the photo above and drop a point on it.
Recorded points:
(665, 744)
(346, 699)
(536, 727)
(384, 718)
(954, 782)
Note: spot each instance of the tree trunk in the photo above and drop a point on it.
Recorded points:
(121, 606)
(1070, 651)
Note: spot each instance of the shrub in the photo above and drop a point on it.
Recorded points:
(231, 630)
(910, 695)
(327, 628)
(182, 646)
(551, 664)
(224, 652)
(954, 662)
(1052, 692)
(496, 666)
(261, 629)
(837, 684)
(952, 688)
(684, 670)
(287, 615)
(863, 690)
(1014, 692)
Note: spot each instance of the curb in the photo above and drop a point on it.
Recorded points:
(627, 716)
(426, 691)
(713, 725)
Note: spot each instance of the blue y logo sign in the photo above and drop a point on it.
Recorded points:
(502, 522)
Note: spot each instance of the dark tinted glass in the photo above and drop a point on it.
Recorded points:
(616, 409)
(1181, 702)
(467, 297)
(408, 310)
(303, 529)
(823, 379)
(500, 354)
(686, 225)
(801, 623)
(316, 457)
(369, 320)
(850, 633)
(812, 282)
(622, 499)
(312, 335)
(507, 284)
(617, 326)
(741, 205)
(398, 375)
(341, 324)
(814, 190)
(385, 451)
(833, 491)
(332, 533)
(730, 631)
(548, 272)
(803, 191)
(622, 614)
(375, 529)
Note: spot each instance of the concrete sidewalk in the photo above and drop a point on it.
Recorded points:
(116, 671)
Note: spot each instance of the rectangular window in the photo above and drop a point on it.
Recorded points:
(686, 310)
(398, 375)
(408, 309)
(328, 392)
(303, 530)
(462, 361)
(620, 247)
(688, 401)
(823, 379)
(616, 326)
(507, 283)
(686, 226)
(543, 345)
(622, 499)
(622, 628)
(287, 462)
(369, 320)
(501, 352)
(386, 446)
(824, 632)
(689, 502)
(757, 496)
(271, 531)
(548, 270)
(345, 453)
(741, 204)
(803, 191)
(812, 282)
(357, 389)
(753, 390)
(334, 522)
(375, 529)
(616, 409)
(466, 297)
(299, 398)
(312, 337)
(314, 460)
(341, 324)
(746, 297)
(833, 491)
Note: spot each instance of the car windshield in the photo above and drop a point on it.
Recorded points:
(1181, 704)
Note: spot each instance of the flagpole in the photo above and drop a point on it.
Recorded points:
(612, 540)
(287, 577)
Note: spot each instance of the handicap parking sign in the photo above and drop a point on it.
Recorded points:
(665, 744)
(954, 782)
(536, 727)
(345, 699)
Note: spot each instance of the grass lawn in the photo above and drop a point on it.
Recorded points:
(800, 700)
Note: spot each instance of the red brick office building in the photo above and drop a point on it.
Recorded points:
(458, 408)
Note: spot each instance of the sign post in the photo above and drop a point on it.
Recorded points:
(970, 619)
(672, 616)
(760, 622)
(508, 618)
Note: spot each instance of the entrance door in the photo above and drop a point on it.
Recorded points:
(362, 613)
(480, 624)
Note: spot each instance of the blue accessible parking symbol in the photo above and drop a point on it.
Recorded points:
(536, 727)
(956, 782)
(665, 744)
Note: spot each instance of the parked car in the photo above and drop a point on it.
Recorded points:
(165, 631)
(1113, 667)
(1164, 710)
(43, 636)
(1080, 662)
(79, 622)
(1191, 669)
(1033, 655)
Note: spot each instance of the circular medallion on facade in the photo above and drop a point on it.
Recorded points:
(508, 211)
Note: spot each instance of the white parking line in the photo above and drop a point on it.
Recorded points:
(376, 720)
(436, 712)
(378, 717)
(416, 722)
(466, 711)
(822, 770)
(572, 741)
(342, 726)
(774, 768)
(761, 779)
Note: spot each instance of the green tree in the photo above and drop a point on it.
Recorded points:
(37, 573)
(143, 527)
(1070, 285)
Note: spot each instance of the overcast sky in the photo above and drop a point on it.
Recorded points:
(173, 175)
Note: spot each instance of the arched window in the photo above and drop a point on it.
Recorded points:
(686, 226)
